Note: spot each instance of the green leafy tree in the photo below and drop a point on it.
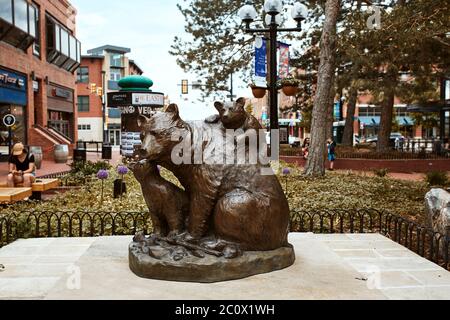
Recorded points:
(217, 46)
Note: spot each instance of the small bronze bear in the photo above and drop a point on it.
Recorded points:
(168, 204)
(233, 116)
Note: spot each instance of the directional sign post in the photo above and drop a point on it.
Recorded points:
(9, 121)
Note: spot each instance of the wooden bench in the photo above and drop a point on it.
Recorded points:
(41, 185)
(11, 195)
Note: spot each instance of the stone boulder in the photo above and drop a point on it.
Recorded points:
(437, 204)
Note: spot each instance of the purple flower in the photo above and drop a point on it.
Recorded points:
(103, 175)
(122, 170)
(286, 171)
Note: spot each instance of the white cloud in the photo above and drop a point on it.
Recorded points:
(148, 28)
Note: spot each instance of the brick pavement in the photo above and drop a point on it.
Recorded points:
(49, 167)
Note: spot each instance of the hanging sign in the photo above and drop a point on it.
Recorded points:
(9, 120)
(283, 67)
(260, 62)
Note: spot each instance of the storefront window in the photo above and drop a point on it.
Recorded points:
(18, 130)
(6, 10)
(20, 14)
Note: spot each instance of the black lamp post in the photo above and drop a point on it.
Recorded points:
(273, 8)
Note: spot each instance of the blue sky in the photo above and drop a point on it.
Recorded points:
(148, 28)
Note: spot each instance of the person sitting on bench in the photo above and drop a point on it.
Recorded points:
(21, 167)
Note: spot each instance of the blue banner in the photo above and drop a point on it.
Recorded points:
(337, 111)
(260, 60)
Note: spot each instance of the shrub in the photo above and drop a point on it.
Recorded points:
(437, 178)
(89, 168)
(382, 173)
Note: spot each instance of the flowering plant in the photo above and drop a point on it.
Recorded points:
(102, 175)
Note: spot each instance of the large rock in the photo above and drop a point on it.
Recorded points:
(437, 203)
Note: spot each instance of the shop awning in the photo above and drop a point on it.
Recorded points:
(430, 107)
(370, 121)
(375, 121)
(405, 121)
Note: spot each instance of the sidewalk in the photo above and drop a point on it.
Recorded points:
(50, 167)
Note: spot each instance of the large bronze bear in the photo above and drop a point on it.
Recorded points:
(232, 202)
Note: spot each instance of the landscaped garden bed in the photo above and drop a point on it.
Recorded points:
(335, 191)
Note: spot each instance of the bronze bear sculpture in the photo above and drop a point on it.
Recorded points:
(234, 116)
(235, 203)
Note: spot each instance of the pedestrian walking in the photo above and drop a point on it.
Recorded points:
(331, 153)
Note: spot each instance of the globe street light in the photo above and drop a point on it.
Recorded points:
(273, 10)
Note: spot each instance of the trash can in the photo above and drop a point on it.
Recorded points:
(61, 153)
(38, 156)
(107, 152)
(79, 155)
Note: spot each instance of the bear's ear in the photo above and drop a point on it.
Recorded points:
(173, 108)
(218, 106)
(142, 121)
(240, 103)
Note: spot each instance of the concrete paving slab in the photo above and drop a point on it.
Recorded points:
(357, 254)
(431, 278)
(394, 264)
(347, 268)
(26, 288)
(418, 293)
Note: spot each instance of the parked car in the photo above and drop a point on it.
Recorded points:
(396, 137)
(295, 142)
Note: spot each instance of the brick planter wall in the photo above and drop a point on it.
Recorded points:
(402, 166)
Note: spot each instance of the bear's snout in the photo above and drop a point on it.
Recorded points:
(142, 153)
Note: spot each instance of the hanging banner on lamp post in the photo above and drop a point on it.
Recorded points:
(283, 66)
(260, 62)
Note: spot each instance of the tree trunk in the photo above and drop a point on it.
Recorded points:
(316, 161)
(347, 139)
(387, 112)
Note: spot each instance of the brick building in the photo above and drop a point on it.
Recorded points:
(103, 67)
(38, 58)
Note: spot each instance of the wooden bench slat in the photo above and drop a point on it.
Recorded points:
(8, 195)
(45, 185)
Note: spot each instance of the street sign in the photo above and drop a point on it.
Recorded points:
(9, 120)
(126, 99)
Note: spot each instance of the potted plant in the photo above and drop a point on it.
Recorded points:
(258, 92)
(290, 86)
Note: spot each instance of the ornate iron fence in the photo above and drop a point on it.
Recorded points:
(418, 238)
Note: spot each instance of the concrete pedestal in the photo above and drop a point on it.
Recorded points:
(326, 267)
